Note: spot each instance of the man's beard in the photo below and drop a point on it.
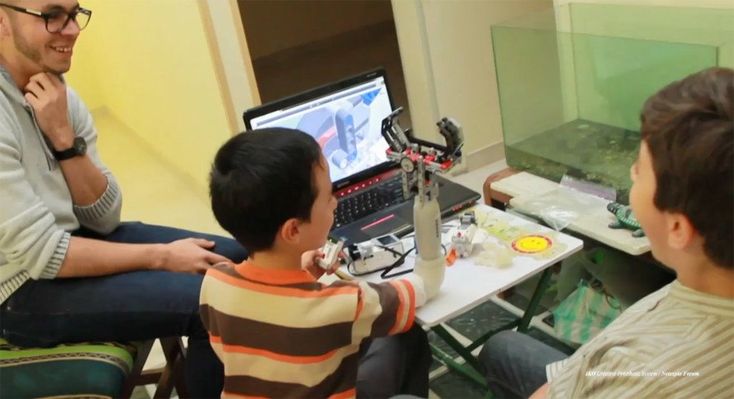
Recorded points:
(31, 54)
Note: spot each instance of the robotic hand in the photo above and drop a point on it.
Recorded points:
(420, 160)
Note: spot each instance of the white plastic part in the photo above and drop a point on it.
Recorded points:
(429, 264)
(331, 251)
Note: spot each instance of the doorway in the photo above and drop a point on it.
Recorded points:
(296, 45)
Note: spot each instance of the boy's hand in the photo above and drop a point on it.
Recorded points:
(309, 263)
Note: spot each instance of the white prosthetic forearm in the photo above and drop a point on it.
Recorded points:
(418, 288)
(429, 264)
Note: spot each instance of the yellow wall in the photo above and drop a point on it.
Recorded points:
(149, 64)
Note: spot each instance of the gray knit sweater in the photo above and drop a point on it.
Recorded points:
(36, 209)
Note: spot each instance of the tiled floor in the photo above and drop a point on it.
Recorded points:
(472, 325)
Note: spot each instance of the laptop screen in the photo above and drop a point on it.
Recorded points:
(345, 118)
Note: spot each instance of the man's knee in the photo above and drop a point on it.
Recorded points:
(394, 365)
(497, 348)
(229, 248)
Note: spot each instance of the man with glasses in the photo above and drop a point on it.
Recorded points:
(69, 270)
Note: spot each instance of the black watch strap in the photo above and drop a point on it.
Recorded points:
(79, 147)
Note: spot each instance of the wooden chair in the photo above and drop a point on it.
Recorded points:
(100, 369)
(167, 377)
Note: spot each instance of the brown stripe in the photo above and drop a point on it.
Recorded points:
(342, 379)
(306, 286)
(389, 301)
(290, 341)
(342, 283)
(723, 389)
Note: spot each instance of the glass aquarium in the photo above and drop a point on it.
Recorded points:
(572, 81)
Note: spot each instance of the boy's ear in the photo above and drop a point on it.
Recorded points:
(4, 28)
(681, 232)
(290, 230)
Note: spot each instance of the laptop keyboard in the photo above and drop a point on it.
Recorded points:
(368, 201)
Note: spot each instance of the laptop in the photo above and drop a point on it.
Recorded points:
(345, 118)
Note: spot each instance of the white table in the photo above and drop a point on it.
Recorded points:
(468, 284)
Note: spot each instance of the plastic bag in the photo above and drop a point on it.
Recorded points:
(584, 313)
(553, 208)
(562, 205)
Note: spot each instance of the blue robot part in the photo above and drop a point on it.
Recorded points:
(370, 96)
(345, 133)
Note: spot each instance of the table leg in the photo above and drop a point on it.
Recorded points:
(535, 300)
(471, 369)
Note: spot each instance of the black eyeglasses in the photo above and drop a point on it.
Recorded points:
(57, 20)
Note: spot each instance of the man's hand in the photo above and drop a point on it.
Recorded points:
(190, 255)
(46, 94)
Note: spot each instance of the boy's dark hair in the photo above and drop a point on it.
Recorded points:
(259, 180)
(688, 127)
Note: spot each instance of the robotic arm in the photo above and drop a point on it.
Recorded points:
(420, 160)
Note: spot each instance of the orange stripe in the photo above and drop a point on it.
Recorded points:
(270, 355)
(349, 393)
(282, 291)
(405, 308)
(399, 314)
(411, 310)
(273, 276)
(360, 306)
(236, 395)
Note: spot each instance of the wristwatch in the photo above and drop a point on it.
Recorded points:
(79, 147)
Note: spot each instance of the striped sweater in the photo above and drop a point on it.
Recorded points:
(281, 333)
(674, 343)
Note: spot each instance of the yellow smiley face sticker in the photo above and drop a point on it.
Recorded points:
(532, 244)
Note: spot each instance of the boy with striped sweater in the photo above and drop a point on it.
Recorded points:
(298, 337)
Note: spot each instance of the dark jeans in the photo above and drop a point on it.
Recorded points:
(393, 365)
(122, 307)
(515, 364)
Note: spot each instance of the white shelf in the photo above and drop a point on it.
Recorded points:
(592, 221)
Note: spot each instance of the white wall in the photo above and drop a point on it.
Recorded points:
(671, 3)
(446, 49)
(237, 78)
(447, 58)
(695, 33)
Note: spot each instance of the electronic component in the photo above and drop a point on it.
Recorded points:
(462, 236)
(375, 254)
(331, 251)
